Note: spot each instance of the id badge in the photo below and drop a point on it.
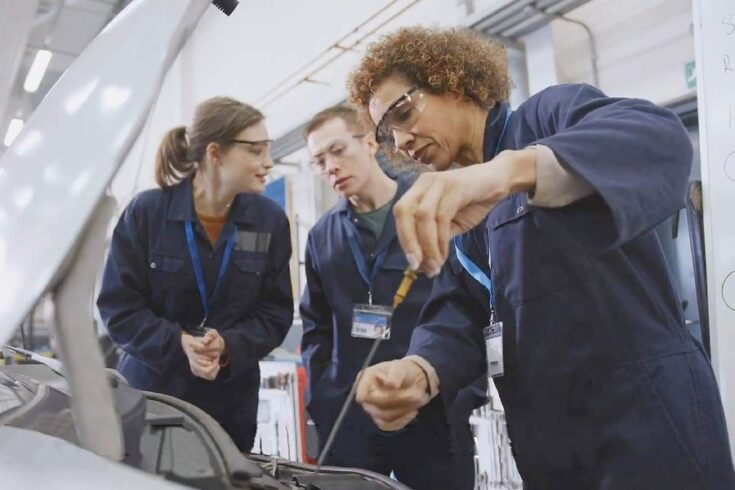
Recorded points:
(494, 349)
(371, 321)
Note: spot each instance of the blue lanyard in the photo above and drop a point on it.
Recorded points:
(197, 265)
(477, 274)
(368, 277)
(472, 269)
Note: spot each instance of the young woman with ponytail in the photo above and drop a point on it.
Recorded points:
(197, 286)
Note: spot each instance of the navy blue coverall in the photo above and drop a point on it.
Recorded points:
(149, 293)
(436, 450)
(604, 388)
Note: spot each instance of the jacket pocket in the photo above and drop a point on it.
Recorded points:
(164, 263)
(247, 277)
(166, 278)
(531, 258)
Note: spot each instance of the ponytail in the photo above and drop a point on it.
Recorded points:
(173, 163)
(216, 120)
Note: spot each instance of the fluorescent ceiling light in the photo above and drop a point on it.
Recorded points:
(13, 129)
(37, 71)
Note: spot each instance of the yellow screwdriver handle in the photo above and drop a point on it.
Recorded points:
(409, 276)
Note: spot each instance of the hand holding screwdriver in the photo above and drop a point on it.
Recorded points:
(392, 393)
(409, 276)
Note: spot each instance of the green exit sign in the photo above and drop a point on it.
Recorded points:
(690, 72)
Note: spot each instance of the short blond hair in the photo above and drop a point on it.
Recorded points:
(348, 114)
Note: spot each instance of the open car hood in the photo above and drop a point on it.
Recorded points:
(58, 168)
(168, 442)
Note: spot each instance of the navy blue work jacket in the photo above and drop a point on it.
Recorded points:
(437, 447)
(332, 356)
(149, 293)
(603, 385)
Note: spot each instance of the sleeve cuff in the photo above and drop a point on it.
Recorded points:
(555, 185)
(224, 360)
(430, 372)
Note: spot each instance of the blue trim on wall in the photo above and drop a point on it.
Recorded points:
(276, 191)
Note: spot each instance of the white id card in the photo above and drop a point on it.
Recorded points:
(371, 321)
(494, 349)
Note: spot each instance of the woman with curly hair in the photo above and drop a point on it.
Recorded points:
(556, 284)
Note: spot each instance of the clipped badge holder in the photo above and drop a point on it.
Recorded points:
(494, 349)
(371, 321)
(197, 330)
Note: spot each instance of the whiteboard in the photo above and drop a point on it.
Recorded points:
(714, 31)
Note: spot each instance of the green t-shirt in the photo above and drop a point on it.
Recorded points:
(375, 220)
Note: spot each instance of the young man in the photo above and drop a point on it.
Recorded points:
(354, 264)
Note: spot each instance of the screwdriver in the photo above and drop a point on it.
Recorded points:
(409, 276)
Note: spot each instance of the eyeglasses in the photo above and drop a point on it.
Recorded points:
(401, 115)
(336, 149)
(257, 147)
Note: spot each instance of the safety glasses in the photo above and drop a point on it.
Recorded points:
(337, 149)
(401, 115)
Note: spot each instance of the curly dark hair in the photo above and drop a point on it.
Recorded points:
(438, 60)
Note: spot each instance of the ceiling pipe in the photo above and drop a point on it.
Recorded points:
(268, 98)
(51, 16)
(337, 44)
(590, 35)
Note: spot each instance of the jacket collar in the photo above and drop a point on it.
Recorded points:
(181, 207)
(343, 207)
(345, 212)
(493, 129)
